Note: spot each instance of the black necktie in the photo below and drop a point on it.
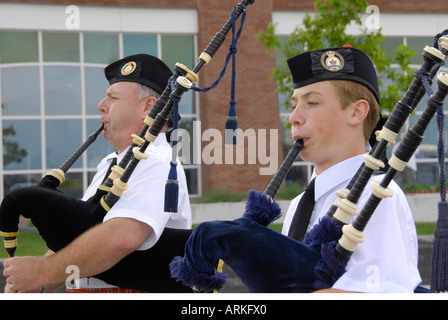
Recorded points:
(112, 163)
(302, 216)
(100, 192)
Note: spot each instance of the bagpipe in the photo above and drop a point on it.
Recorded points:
(60, 218)
(267, 261)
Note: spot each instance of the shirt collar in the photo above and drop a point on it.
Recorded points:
(335, 175)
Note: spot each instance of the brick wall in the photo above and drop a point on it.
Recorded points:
(127, 3)
(385, 5)
(257, 104)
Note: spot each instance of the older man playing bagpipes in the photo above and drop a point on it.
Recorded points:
(125, 232)
(138, 219)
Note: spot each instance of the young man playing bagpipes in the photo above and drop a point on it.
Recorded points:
(137, 220)
(335, 112)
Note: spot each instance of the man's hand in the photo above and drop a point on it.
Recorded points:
(95, 251)
(23, 274)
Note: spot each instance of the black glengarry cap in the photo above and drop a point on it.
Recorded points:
(341, 63)
(140, 68)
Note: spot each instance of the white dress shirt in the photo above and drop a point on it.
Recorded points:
(387, 260)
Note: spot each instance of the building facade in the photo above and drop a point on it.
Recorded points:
(52, 55)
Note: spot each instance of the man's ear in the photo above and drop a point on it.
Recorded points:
(149, 102)
(359, 111)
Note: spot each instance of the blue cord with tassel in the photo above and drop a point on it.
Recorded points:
(232, 120)
(439, 265)
(439, 278)
(172, 184)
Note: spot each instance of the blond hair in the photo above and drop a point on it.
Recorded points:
(349, 92)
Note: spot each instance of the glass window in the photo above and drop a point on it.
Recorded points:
(178, 49)
(186, 141)
(100, 48)
(62, 90)
(20, 91)
(73, 184)
(42, 137)
(90, 176)
(428, 147)
(424, 101)
(285, 132)
(139, 43)
(428, 173)
(281, 62)
(63, 138)
(18, 47)
(280, 57)
(16, 181)
(284, 100)
(418, 44)
(60, 47)
(192, 180)
(96, 86)
(298, 175)
(186, 104)
(390, 44)
(21, 144)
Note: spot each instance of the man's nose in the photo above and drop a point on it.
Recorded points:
(103, 105)
(295, 117)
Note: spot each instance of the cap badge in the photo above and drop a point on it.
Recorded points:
(128, 68)
(332, 61)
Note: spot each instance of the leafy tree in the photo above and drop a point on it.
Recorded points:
(12, 150)
(327, 28)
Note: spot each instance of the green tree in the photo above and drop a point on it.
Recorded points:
(12, 150)
(327, 28)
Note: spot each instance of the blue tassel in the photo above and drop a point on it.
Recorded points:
(172, 185)
(261, 208)
(200, 281)
(172, 190)
(330, 268)
(232, 121)
(324, 232)
(230, 132)
(439, 272)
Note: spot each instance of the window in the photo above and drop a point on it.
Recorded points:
(50, 85)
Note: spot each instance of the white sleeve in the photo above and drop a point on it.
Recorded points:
(387, 260)
(144, 199)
